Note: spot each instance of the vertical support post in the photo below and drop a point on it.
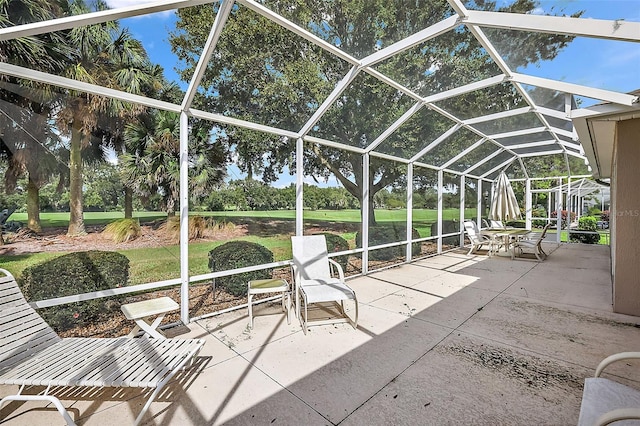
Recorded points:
(440, 202)
(299, 187)
(365, 213)
(549, 193)
(579, 203)
(184, 218)
(479, 219)
(571, 203)
(409, 210)
(528, 208)
(569, 206)
(559, 211)
(463, 191)
(581, 207)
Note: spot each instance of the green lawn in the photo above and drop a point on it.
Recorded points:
(272, 229)
(161, 263)
(49, 220)
(158, 263)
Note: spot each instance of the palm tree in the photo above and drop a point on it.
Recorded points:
(33, 151)
(152, 163)
(134, 144)
(111, 58)
(27, 142)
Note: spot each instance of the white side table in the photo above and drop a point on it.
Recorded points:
(148, 314)
(269, 286)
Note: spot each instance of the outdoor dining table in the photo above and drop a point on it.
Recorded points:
(505, 233)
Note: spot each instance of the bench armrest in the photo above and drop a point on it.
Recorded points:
(619, 414)
(615, 358)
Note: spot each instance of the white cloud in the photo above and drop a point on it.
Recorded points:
(116, 4)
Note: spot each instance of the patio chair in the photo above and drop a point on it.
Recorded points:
(497, 224)
(315, 284)
(606, 401)
(531, 241)
(479, 240)
(32, 354)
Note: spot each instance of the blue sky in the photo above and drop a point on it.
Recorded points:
(598, 63)
(591, 62)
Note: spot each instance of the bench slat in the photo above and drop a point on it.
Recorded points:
(31, 353)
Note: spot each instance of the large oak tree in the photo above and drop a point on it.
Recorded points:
(263, 73)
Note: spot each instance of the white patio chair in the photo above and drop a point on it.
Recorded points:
(479, 240)
(32, 354)
(531, 241)
(497, 224)
(605, 401)
(315, 284)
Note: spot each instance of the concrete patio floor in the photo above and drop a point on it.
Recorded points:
(452, 339)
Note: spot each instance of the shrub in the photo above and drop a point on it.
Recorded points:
(448, 227)
(538, 223)
(564, 217)
(585, 238)
(76, 273)
(123, 230)
(537, 217)
(521, 224)
(239, 254)
(587, 223)
(336, 243)
(594, 211)
(223, 226)
(381, 234)
(198, 226)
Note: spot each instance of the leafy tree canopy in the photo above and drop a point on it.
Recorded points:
(263, 73)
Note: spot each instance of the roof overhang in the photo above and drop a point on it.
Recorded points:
(596, 128)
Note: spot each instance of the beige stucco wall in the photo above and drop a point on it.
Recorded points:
(625, 217)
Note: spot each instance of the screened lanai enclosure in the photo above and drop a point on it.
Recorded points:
(426, 101)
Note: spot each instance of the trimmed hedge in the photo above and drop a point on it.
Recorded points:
(448, 227)
(336, 243)
(76, 273)
(239, 254)
(586, 223)
(389, 234)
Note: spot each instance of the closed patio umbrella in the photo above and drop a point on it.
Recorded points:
(504, 205)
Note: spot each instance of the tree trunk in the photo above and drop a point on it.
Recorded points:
(356, 191)
(128, 203)
(33, 206)
(372, 212)
(76, 221)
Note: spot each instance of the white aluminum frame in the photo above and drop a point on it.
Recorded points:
(474, 21)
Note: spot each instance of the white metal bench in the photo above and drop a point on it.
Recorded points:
(606, 401)
(32, 354)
